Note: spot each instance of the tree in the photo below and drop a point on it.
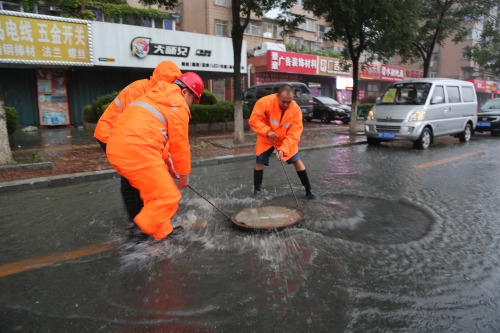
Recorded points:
(486, 53)
(5, 153)
(441, 20)
(241, 11)
(367, 26)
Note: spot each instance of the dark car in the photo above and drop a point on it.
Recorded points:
(327, 109)
(488, 118)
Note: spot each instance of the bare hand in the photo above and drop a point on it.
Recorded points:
(279, 154)
(271, 135)
(171, 169)
(183, 181)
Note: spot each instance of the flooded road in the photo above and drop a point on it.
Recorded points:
(401, 240)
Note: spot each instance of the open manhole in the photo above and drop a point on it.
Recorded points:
(267, 218)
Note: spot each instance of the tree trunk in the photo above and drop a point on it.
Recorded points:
(237, 38)
(354, 107)
(5, 153)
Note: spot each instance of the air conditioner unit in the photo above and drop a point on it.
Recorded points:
(319, 39)
(54, 9)
(431, 64)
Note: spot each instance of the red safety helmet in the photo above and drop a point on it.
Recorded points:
(194, 82)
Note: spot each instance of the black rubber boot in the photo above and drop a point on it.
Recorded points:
(136, 235)
(310, 195)
(258, 175)
(131, 198)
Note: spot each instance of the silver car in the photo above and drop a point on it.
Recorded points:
(421, 109)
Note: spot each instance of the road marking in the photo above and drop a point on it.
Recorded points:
(449, 159)
(34, 263)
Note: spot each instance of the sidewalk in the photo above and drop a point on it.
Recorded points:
(70, 153)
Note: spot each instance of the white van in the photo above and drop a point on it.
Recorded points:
(421, 109)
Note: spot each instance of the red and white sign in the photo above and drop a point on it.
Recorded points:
(484, 86)
(379, 72)
(269, 77)
(361, 94)
(413, 73)
(391, 73)
(290, 62)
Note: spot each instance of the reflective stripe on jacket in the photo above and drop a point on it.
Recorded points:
(165, 71)
(266, 116)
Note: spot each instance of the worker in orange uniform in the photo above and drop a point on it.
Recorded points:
(139, 142)
(277, 119)
(165, 71)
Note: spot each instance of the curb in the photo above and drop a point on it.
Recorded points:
(49, 181)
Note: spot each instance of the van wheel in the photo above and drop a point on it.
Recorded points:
(325, 117)
(425, 139)
(466, 134)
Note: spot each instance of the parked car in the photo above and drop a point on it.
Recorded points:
(488, 118)
(302, 95)
(327, 109)
(421, 109)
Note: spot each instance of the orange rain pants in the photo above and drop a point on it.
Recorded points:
(164, 71)
(137, 146)
(267, 116)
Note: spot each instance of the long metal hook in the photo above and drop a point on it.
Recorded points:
(286, 174)
(229, 218)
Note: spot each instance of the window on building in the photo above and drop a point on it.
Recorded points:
(433, 74)
(15, 7)
(146, 22)
(98, 15)
(253, 28)
(464, 54)
(271, 31)
(299, 2)
(221, 28)
(475, 34)
(307, 25)
(435, 57)
(48, 10)
(221, 2)
(219, 88)
(466, 75)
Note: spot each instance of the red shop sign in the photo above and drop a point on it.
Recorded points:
(290, 62)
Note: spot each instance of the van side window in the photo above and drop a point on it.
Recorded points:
(453, 94)
(250, 94)
(468, 94)
(301, 91)
(261, 92)
(438, 91)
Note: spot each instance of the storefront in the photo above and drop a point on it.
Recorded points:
(52, 67)
(485, 90)
(375, 78)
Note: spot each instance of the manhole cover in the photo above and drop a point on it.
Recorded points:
(267, 217)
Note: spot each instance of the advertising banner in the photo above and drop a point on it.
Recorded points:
(267, 77)
(52, 96)
(381, 72)
(121, 45)
(484, 86)
(413, 73)
(31, 39)
(290, 62)
(334, 66)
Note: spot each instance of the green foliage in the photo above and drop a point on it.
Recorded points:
(94, 111)
(36, 157)
(364, 108)
(208, 98)
(29, 5)
(12, 118)
(218, 112)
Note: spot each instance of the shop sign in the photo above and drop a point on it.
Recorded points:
(139, 47)
(261, 78)
(381, 72)
(413, 74)
(30, 39)
(391, 73)
(52, 96)
(334, 66)
(484, 86)
(291, 62)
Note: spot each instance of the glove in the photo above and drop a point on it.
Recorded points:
(171, 169)
(183, 181)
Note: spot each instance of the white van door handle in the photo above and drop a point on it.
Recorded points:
(445, 109)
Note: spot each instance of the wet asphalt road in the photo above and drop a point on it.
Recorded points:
(401, 240)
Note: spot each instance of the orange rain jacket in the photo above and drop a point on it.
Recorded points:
(266, 116)
(137, 145)
(165, 71)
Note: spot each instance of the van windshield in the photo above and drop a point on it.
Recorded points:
(413, 93)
